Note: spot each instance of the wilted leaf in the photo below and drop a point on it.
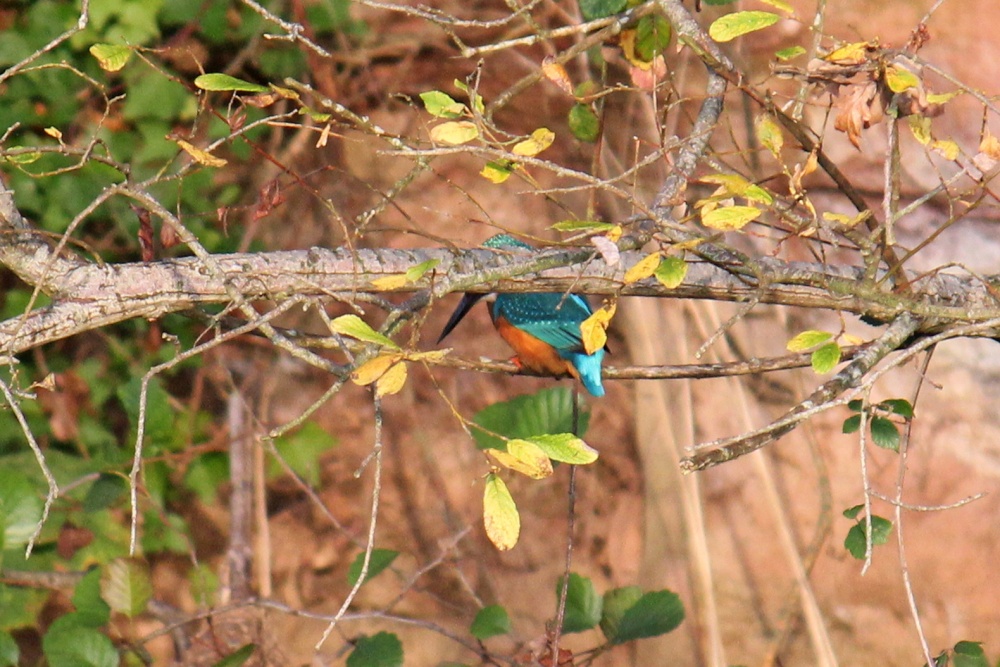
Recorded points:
(609, 251)
(500, 517)
(392, 380)
(860, 107)
(729, 218)
(454, 133)
(557, 74)
(643, 269)
(729, 27)
(540, 139)
(920, 127)
(200, 156)
(373, 369)
(947, 148)
(855, 53)
(225, 82)
(524, 457)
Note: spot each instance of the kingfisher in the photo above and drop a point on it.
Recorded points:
(542, 329)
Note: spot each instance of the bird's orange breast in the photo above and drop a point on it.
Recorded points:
(534, 354)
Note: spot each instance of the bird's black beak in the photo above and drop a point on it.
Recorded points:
(464, 306)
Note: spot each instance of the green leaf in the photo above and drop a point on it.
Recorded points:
(853, 512)
(564, 447)
(617, 601)
(104, 492)
(547, 412)
(111, 57)
(899, 406)
(91, 609)
(855, 540)
(584, 123)
(126, 586)
(599, 9)
(381, 650)
(301, 449)
(970, 654)
(20, 509)
(582, 226)
(826, 358)
(237, 657)
(225, 82)
(852, 424)
(160, 418)
(498, 171)
(441, 105)
(68, 644)
(204, 584)
(808, 340)
(355, 327)
(855, 404)
(583, 604)
(671, 272)
(206, 474)
(655, 613)
(10, 654)
(652, 36)
(731, 26)
(490, 622)
(500, 516)
(380, 560)
(885, 434)
(415, 273)
(790, 53)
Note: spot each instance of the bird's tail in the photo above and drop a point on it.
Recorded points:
(588, 366)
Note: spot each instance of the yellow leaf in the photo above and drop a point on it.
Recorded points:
(111, 57)
(851, 339)
(200, 156)
(54, 133)
(642, 269)
(373, 369)
(500, 517)
(949, 149)
(454, 133)
(731, 26)
(524, 457)
(593, 330)
(540, 139)
(730, 217)
(808, 340)
(614, 233)
(849, 54)
(769, 134)
(779, 4)
(391, 381)
(943, 98)
(900, 79)
(920, 127)
(389, 283)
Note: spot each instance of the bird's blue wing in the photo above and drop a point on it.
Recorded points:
(552, 317)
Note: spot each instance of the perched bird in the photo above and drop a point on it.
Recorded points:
(543, 329)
